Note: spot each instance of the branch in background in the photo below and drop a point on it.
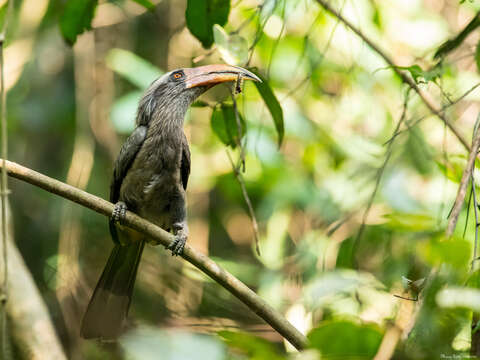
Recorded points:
(30, 324)
(405, 78)
(159, 236)
(462, 190)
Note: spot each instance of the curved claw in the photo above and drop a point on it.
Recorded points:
(119, 211)
(178, 244)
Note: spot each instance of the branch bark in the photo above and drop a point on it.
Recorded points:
(160, 237)
(462, 190)
(29, 319)
(405, 78)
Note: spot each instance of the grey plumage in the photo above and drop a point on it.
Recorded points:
(150, 178)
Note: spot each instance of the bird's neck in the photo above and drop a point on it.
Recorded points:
(167, 123)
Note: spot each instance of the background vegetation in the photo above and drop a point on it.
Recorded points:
(350, 176)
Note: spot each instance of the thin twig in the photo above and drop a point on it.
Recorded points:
(239, 177)
(403, 75)
(411, 124)
(4, 186)
(159, 236)
(381, 170)
(477, 224)
(462, 190)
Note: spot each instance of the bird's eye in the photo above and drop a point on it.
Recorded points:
(177, 75)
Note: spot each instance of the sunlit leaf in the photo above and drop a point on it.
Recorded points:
(201, 15)
(419, 75)
(77, 17)
(3, 12)
(454, 251)
(233, 48)
(462, 297)
(272, 103)
(410, 222)
(224, 125)
(146, 4)
(453, 169)
(132, 67)
(344, 339)
(452, 44)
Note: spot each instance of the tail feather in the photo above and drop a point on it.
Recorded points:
(111, 298)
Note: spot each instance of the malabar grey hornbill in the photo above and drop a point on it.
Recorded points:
(150, 178)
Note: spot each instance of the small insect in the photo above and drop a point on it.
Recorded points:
(238, 84)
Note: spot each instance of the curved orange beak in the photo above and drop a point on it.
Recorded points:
(210, 75)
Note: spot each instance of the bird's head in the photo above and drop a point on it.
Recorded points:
(174, 92)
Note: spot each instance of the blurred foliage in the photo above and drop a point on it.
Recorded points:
(318, 138)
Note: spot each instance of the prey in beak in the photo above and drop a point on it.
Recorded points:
(211, 75)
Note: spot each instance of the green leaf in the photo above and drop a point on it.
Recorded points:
(224, 125)
(254, 347)
(419, 75)
(76, 18)
(417, 151)
(135, 69)
(345, 339)
(3, 13)
(272, 104)
(146, 4)
(438, 251)
(452, 44)
(401, 221)
(199, 103)
(201, 15)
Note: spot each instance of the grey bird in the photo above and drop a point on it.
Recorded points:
(150, 178)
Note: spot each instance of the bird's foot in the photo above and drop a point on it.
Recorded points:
(119, 211)
(178, 243)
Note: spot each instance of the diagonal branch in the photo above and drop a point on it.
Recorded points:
(161, 237)
(405, 78)
(462, 190)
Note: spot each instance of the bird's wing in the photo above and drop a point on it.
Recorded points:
(185, 165)
(128, 152)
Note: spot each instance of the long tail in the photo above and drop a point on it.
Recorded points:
(110, 301)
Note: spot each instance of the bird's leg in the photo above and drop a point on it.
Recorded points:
(119, 211)
(180, 230)
(178, 218)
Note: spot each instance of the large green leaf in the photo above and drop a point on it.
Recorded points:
(346, 340)
(76, 18)
(224, 125)
(201, 15)
(272, 103)
(132, 67)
